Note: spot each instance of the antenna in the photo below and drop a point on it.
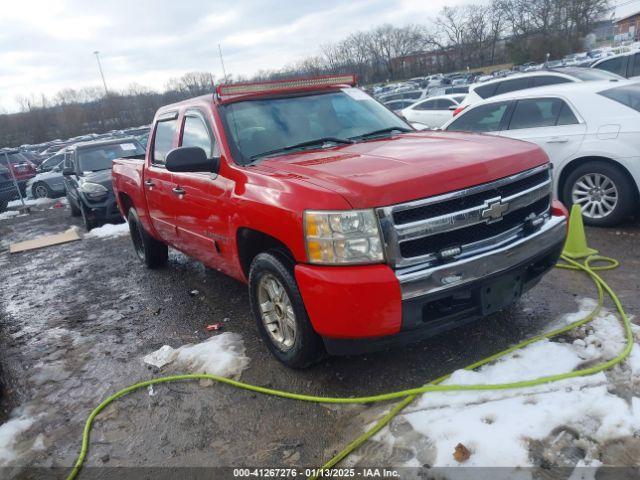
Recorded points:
(224, 72)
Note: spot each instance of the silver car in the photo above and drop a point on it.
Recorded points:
(49, 182)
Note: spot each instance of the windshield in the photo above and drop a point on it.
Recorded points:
(100, 157)
(260, 126)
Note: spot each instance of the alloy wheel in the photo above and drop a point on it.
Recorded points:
(276, 312)
(596, 194)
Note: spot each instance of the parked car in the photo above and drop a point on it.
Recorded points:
(625, 64)
(413, 95)
(8, 190)
(524, 81)
(433, 112)
(591, 132)
(311, 190)
(22, 168)
(49, 182)
(87, 178)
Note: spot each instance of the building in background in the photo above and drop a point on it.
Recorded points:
(628, 28)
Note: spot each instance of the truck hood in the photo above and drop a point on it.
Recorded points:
(407, 167)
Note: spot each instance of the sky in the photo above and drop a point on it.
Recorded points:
(48, 45)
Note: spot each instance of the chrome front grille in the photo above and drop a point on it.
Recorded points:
(466, 221)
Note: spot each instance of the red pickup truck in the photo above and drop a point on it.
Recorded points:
(353, 231)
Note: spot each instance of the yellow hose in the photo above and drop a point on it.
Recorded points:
(409, 395)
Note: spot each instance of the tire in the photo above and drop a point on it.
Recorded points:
(151, 252)
(88, 223)
(286, 327)
(605, 193)
(75, 211)
(3, 205)
(41, 190)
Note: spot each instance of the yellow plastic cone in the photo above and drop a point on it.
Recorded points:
(576, 245)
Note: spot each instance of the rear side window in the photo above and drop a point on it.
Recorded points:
(444, 104)
(485, 118)
(615, 65)
(541, 112)
(629, 95)
(512, 85)
(428, 105)
(196, 134)
(548, 80)
(163, 141)
(486, 91)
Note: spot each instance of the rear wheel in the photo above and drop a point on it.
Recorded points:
(279, 311)
(151, 252)
(604, 192)
(41, 190)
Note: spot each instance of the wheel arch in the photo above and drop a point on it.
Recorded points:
(577, 162)
(251, 243)
(126, 202)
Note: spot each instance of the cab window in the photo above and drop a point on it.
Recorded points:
(485, 118)
(196, 134)
(163, 140)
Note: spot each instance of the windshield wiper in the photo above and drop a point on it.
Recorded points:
(381, 131)
(309, 143)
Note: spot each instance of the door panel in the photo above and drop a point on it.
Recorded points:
(559, 142)
(202, 217)
(158, 185)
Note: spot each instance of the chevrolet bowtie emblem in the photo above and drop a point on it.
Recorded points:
(495, 210)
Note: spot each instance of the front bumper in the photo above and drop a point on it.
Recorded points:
(367, 308)
(103, 210)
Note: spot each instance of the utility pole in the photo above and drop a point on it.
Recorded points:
(97, 54)
(224, 72)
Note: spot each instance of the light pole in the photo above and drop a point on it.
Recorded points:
(97, 54)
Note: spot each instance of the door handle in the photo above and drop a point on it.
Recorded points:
(558, 140)
(178, 191)
(149, 183)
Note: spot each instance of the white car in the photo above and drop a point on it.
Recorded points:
(591, 133)
(433, 112)
(522, 81)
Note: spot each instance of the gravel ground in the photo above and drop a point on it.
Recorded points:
(76, 320)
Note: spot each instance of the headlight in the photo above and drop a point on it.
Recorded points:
(340, 237)
(94, 190)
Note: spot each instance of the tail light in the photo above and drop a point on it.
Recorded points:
(459, 109)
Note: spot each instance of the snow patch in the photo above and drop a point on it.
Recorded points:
(497, 426)
(9, 214)
(109, 230)
(10, 432)
(30, 202)
(222, 355)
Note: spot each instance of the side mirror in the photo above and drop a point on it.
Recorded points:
(68, 171)
(191, 159)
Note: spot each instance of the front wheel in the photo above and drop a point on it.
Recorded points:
(279, 311)
(151, 252)
(603, 191)
(75, 211)
(89, 223)
(41, 190)
(3, 205)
